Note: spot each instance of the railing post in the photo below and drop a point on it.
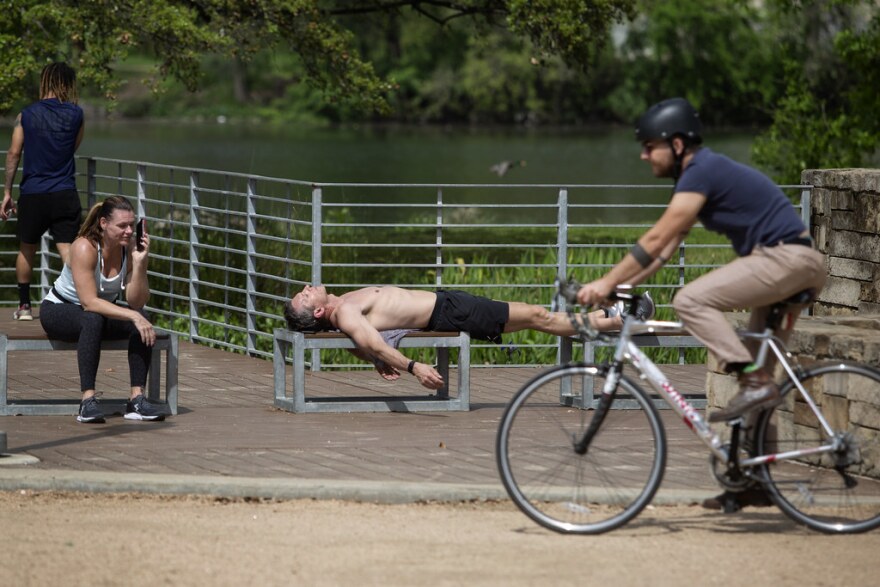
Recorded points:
(317, 257)
(251, 317)
(806, 207)
(141, 192)
(561, 251)
(438, 258)
(91, 182)
(193, 254)
(45, 282)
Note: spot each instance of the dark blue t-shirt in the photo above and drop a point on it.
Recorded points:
(50, 131)
(741, 202)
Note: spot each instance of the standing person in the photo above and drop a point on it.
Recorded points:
(50, 131)
(104, 264)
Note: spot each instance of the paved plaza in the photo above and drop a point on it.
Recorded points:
(229, 439)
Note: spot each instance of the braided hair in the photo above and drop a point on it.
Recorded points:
(59, 79)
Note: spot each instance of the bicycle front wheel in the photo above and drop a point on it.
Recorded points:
(833, 492)
(555, 485)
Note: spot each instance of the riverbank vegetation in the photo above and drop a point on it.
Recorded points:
(805, 71)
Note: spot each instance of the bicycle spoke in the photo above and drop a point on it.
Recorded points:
(571, 492)
(810, 489)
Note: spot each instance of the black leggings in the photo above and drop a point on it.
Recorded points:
(69, 322)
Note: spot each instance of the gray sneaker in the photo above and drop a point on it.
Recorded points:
(90, 412)
(644, 311)
(140, 409)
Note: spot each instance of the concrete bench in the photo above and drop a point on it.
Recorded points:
(299, 342)
(38, 341)
(586, 396)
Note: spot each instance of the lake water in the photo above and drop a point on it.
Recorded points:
(390, 154)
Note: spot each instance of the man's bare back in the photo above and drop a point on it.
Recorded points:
(389, 307)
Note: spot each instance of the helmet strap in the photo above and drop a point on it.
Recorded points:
(678, 158)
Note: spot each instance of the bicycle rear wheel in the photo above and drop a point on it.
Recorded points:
(579, 493)
(833, 492)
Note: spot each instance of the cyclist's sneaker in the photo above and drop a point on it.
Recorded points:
(23, 313)
(90, 412)
(644, 311)
(756, 390)
(140, 409)
(646, 308)
(730, 501)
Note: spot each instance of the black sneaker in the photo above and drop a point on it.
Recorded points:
(90, 412)
(140, 409)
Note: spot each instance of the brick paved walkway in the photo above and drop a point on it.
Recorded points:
(228, 428)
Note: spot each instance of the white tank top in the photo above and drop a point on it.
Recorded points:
(109, 288)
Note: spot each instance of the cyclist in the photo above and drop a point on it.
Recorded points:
(776, 258)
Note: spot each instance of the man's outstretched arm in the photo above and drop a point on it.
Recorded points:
(369, 341)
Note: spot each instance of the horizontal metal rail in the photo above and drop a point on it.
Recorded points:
(230, 248)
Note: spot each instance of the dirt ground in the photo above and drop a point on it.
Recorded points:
(107, 539)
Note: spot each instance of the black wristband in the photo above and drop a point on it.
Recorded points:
(410, 367)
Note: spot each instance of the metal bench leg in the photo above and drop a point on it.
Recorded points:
(299, 372)
(464, 372)
(4, 374)
(443, 368)
(155, 375)
(171, 374)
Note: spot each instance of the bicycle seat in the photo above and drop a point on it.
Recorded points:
(807, 296)
(778, 310)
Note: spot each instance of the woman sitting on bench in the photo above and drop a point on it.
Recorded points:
(81, 306)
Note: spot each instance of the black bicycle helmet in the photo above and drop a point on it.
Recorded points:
(670, 118)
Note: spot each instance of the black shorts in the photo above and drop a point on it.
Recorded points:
(59, 212)
(480, 317)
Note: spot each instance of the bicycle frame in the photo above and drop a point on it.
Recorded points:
(627, 351)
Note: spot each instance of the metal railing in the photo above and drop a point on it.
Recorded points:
(228, 249)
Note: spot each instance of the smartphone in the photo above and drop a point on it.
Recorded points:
(139, 231)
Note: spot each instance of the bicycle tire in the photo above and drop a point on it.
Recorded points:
(809, 490)
(568, 492)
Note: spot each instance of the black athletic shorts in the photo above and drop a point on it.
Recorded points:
(480, 317)
(59, 212)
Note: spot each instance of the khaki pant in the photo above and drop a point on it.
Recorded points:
(768, 275)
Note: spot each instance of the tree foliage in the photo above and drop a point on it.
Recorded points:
(827, 117)
(95, 35)
(809, 69)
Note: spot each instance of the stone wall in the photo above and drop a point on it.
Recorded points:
(845, 220)
(845, 325)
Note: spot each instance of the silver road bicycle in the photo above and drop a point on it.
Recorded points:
(579, 470)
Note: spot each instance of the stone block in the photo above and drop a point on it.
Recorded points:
(845, 220)
(804, 416)
(847, 347)
(719, 389)
(836, 412)
(842, 200)
(868, 308)
(862, 389)
(870, 292)
(840, 291)
(820, 201)
(852, 269)
(864, 414)
(854, 245)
